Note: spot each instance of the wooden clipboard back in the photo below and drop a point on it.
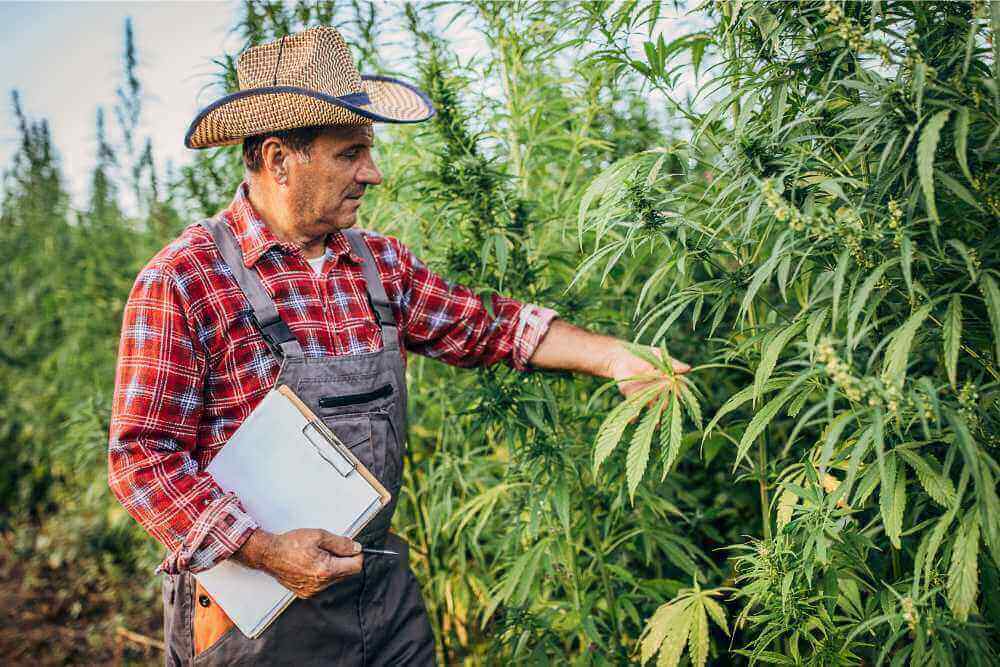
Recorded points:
(384, 494)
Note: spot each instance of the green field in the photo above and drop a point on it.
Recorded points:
(801, 200)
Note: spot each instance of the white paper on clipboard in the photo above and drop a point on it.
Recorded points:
(290, 471)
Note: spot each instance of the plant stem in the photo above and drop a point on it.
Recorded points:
(605, 582)
(765, 503)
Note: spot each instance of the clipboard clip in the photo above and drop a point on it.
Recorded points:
(322, 438)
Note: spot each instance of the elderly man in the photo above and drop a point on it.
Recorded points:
(280, 288)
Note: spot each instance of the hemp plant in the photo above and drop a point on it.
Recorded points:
(828, 230)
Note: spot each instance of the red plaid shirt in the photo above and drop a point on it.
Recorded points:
(192, 366)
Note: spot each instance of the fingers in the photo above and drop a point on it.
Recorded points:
(338, 568)
(324, 571)
(338, 545)
(680, 366)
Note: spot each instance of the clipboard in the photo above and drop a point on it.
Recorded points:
(290, 470)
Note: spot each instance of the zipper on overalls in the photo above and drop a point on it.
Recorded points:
(351, 399)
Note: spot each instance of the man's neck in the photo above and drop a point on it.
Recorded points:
(279, 221)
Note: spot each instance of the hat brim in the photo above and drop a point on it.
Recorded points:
(259, 110)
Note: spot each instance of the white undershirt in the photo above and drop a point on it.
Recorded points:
(317, 263)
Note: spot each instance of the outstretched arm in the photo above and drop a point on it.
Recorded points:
(570, 348)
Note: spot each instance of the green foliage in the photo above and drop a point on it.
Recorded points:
(813, 231)
(834, 211)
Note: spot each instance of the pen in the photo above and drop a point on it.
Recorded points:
(382, 552)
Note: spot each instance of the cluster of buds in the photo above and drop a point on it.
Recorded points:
(853, 34)
(896, 222)
(845, 225)
(910, 613)
(642, 207)
(873, 391)
(780, 209)
(968, 399)
(993, 204)
(853, 232)
(839, 371)
(914, 57)
(895, 214)
(891, 395)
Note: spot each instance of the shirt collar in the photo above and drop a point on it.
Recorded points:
(256, 238)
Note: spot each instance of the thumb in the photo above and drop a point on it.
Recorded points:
(338, 544)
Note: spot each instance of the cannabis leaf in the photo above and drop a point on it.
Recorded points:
(662, 405)
(683, 622)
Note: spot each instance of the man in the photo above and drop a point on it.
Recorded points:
(280, 289)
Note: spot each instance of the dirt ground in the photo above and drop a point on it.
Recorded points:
(41, 625)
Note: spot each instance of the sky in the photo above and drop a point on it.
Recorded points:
(64, 59)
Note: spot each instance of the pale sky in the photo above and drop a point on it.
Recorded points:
(65, 60)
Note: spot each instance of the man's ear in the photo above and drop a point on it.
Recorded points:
(274, 154)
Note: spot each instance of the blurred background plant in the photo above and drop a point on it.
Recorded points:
(797, 198)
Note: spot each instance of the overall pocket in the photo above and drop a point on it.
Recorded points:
(210, 626)
(336, 401)
(355, 432)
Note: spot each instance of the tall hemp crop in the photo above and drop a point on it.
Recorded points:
(814, 231)
(828, 231)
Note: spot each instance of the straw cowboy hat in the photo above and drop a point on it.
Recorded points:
(304, 79)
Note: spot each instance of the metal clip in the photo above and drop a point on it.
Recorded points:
(322, 438)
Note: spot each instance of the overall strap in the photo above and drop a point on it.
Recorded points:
(274, 330)
(376, 290)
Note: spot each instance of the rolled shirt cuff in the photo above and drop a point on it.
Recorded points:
(532, 324)
(218, 532)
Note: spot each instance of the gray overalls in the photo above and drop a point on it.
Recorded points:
(376, 617)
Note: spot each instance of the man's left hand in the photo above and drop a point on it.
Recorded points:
(624, 365)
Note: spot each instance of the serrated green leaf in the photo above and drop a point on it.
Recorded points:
(839, 274)
(764, 416)
(638, 451)
(772, 350)
(691, 401)
(906, 263)
(995, 30)
(861, 296)
(970, 262)
(816, 320)
(786, 505)
(764, 271)
(952, 338)
(937, 486)
(672, 447)
(926, 148)
(942, 526)
(741, 397)
(613, 427)
(677, 636)
(898, 352)
(963, 574)
(657, 628)
(991, 293)
(698, 641)
(957, 189)
(891, 516)
(716, 611)
(962, 140)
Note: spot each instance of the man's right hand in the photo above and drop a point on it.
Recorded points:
(305, 560)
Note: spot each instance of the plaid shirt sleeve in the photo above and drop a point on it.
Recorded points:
(451, 323)
(156, 409)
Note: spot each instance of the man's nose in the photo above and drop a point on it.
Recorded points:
(369, 173)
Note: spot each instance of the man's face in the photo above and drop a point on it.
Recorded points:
(325, 189)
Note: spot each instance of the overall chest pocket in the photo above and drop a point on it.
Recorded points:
(355, 432)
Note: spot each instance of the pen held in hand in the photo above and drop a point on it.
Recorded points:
(380, 552)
